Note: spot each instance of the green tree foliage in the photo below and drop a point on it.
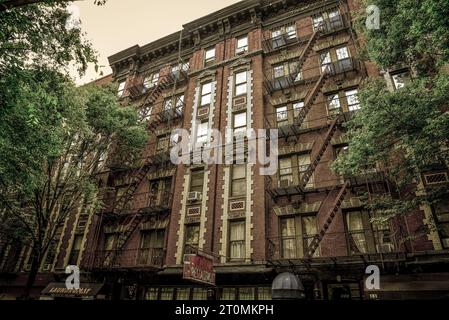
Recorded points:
(406, 130)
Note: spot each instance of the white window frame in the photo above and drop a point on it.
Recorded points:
(209, 55)
(206, 94)
(242, 44)
(241, 81)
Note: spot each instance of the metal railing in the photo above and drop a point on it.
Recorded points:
(128, 258)
(334, 244)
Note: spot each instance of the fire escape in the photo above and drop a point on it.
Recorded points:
(131, 221)
(332, 126)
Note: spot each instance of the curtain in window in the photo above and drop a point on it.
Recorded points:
(288, 233)
(238, 180)
(193, 235)
(183, 294)
(237, 240)
(357, 239)
(167, 293)
(246, 293)
(228, 294)
(199, 294)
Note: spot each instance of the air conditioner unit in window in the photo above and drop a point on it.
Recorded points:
(285, 183)
(194, 196)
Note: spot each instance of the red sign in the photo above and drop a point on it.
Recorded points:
(199, 269)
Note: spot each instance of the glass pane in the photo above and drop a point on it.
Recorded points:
(210, 54)
(297, 106)
(342, 53)
(199, 294)
(288, 227)
(264, 293)
(246, 293)
(316, 21)
(240, 119)
(242, 42)
(354, 221)
(291, 31)
(357, 243)
(281, 113)
(151, 294)
(309, 225)
(238, 187)
(352, 99)
(206, 99)
(240, 89)
(237, 231)
(240, 77)
(334, 102)
(276, 33)
(167, 293)
(278, 71)
(228, 294)
(192, 235)
(289, 248)
(182, 294)
(239, 171)
(207, 88)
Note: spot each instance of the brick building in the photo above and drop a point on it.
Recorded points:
(286, 65)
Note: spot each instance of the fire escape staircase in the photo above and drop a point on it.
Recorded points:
(132, 221)
(329, 219)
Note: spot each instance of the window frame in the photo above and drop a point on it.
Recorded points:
(242, 48)
(238, 180)
(209, 55)
(240, 84)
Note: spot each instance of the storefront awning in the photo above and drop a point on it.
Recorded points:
(59, 289)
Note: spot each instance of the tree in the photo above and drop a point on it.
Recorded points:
(406, 130)
(12, 4)
(60, 135)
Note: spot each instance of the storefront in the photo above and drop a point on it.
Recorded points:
(87, 291)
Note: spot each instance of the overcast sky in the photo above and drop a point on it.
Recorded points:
(123, 23)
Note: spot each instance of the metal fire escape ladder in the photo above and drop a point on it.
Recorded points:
(311, 168)
(329, 218)
(305, 53)
(133, 220)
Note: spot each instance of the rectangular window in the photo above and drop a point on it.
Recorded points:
(121, 89)
(109, 241)
(179, 101)
(182, 293)
(209, 56)
(151, 294)
(240, 83)
(151, 247)
(279, 71)
(202, 132)
(285, 172)
(264, 293)
(206, 93)
(199, 294)
(281, 116)
(238, 185)
(288, 234)
(237, 240)
(326, 61)
(333, 104)
(309, 231)
(162, 143)
(382, 236)
(297, 107)
(167, 293)
(76, 248)
(356, 232)
(240, 122)
(290, 31)
(151, 80)
(442, 219)
(343, 60)
(192, 237)
(247, 293)
(242, 44)
(303, 165)
(352, 99)
(197, 181)
(228, 294)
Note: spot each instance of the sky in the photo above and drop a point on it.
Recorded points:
(121, 24)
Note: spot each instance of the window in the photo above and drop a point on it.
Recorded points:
(264, 293)
(242, 44)
(210, 56)
(144, 114)
(167, 293)
(181, 66)
(343, 60)
(297, 106)
(356, 233)
(206, 93)
(333, 104)
(238, 185)
(237, 240)
(199, 294)
(121, 89)
(289, 31)
(247, 293)
(239, 123)
(192, 237)
(352, 100)
(285, 172)
(177, 100)
(151, 80)
(331, 20)
(325, 61)
(151, 294)
(281, 116)
(228, 294)
(109, 241)
(401, 79)
(442, 219)
(76, 248)
(382, 236)
(289, 68)
(317, 20)
(162, 143)
(151, 247)
(183, 294)
(240, 83)
(197, 180)
(288, 234)
(309, 231)
(303, 165)
(201, 133)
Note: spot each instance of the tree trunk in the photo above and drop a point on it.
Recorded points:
(32, 275)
